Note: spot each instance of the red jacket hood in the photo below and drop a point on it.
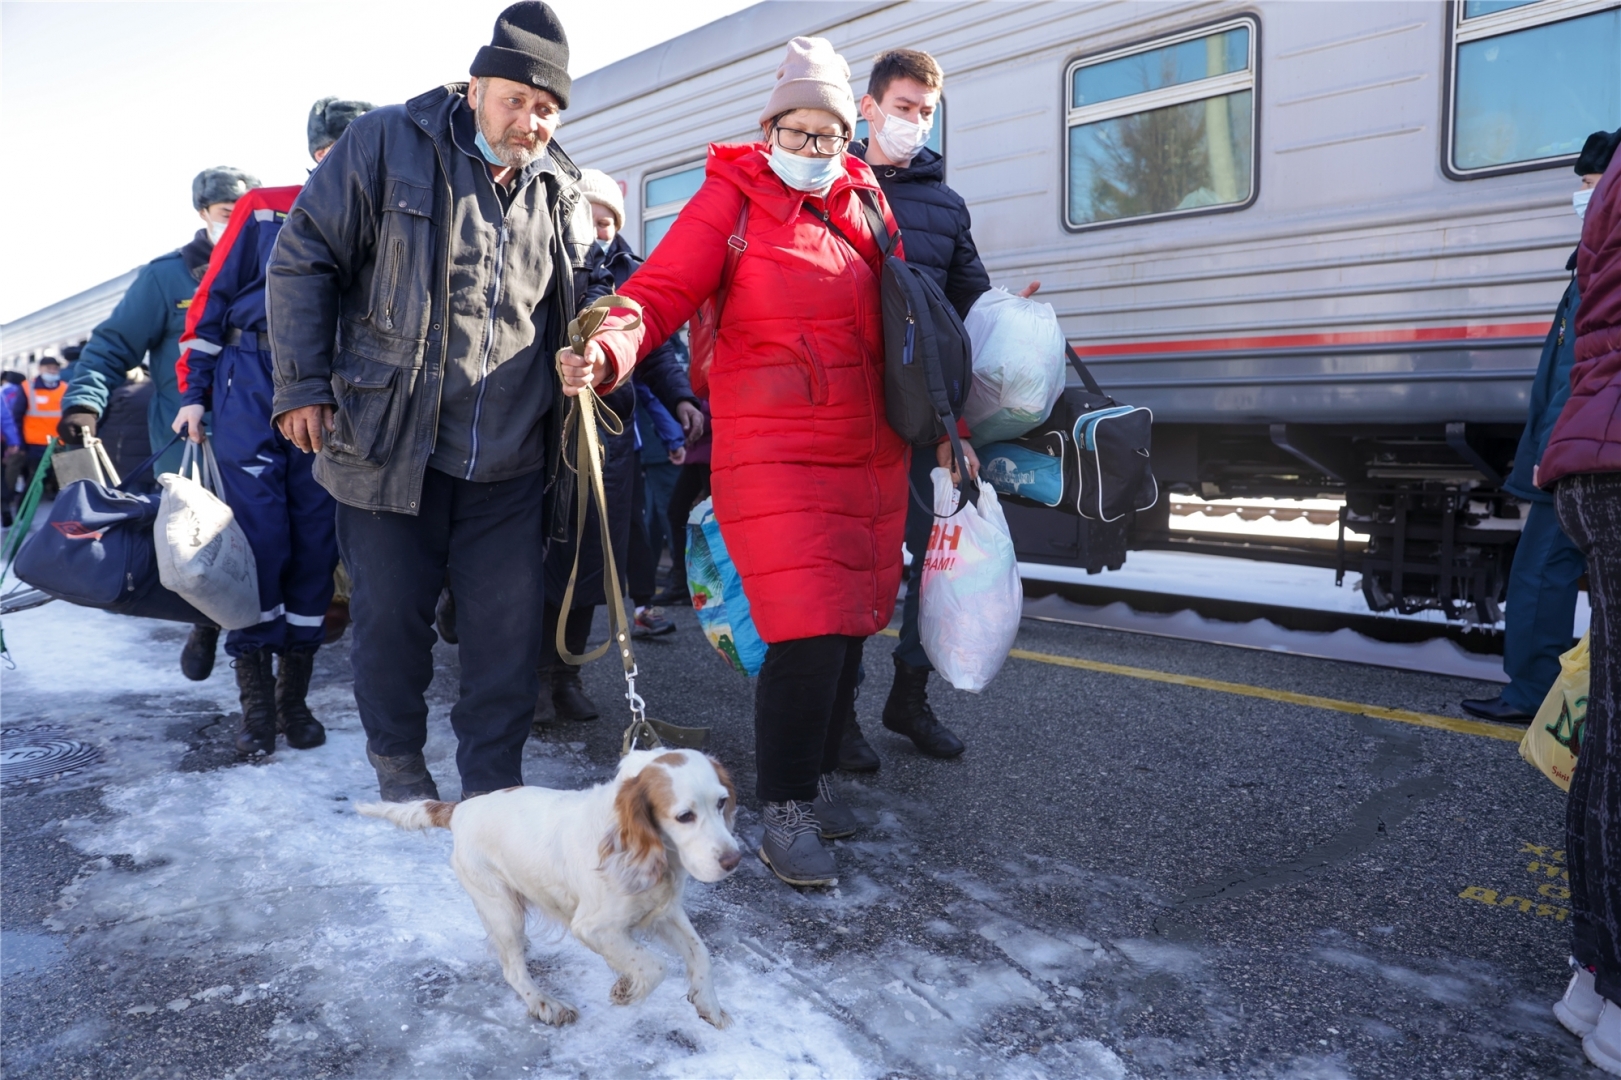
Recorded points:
(746, 165)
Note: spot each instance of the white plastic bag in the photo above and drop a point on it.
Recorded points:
(972, 598)
(1018, 365)
(203, 554)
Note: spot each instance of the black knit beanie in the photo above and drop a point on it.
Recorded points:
(329, 117)
(1597, 152)
(529, 46)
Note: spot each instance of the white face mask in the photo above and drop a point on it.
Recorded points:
(901, 139)
(805, 173)
(1579, 201)
(216, 229)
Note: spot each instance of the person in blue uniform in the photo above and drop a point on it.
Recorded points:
(288, 517)
(1542, 583)
(146, 327)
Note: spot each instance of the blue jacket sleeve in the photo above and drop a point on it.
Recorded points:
(663, 374)
(966, 279)
(669, 430)
(8, 423)
(138, 325)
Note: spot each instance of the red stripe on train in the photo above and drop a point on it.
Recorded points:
(1460, 334)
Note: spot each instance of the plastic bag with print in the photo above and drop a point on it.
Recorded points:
(972, 598)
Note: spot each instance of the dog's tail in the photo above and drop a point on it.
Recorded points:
(421, 814)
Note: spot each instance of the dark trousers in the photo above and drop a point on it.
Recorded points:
(288, 517)
(1590, 510)
(486, 539)
(659, 478)
(642, 573)
(1541, 607)
(806, 689)
(918, 523)
(691, 488)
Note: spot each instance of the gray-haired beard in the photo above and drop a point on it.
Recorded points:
(514, 157)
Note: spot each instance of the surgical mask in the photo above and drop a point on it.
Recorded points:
(1579, 201)
(47, 380)
(901, 139)
(805, 173)
(487, 150)
(216, 229)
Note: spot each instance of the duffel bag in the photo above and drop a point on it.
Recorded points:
(1092, 457)
(97, 550)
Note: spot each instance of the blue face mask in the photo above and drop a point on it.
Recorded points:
(805, 173)
(488, 151)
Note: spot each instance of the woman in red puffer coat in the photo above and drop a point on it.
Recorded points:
(809, 480)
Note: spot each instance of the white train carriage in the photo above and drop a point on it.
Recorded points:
(1322, 241)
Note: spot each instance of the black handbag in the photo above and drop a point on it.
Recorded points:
(97, 550)
(1091, 456)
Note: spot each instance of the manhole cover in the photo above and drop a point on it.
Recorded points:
(41, 754)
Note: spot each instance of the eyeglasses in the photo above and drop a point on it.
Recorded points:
(793, 139)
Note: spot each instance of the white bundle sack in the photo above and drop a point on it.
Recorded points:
(203, 554)
(972, 598)
(1018, 365)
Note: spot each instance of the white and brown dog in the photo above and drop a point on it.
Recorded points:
(604, 862)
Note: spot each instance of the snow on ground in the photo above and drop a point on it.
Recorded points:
(367, 929)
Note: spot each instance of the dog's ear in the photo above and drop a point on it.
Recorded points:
(731, 790)
(633, 851)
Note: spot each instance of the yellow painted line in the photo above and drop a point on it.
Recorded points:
(1401, 716)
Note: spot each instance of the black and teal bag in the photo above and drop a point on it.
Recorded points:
(1090, 457)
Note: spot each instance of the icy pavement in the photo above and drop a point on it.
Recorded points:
(1117, 881)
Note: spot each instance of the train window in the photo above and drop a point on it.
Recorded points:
(937, 135)
(1529, 81)
(1165, 127)
(663, 196)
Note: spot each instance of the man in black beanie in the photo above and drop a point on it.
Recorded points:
(418, 293)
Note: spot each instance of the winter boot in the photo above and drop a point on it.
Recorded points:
(256, 682)
(791, 848)
(834, 818)
(197, 658)
(1603, 1044)
(293, 717)
(1578, 1010)
(907, 712)
(545, 712)
(402, 779)
(568, 694)
(855, 752)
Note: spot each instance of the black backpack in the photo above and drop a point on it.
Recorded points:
(1090, 457)
(928, 361)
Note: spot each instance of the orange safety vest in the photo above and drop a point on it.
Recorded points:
(44, 412)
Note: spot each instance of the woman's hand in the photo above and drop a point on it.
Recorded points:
(692, 421)
(944, 458)
(190, 420)
(579, 371)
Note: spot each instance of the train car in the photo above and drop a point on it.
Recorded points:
(61, 329)
(1322, 241)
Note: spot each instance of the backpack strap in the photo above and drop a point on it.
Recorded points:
(875, 222)
(736, 245)
(1081, 369)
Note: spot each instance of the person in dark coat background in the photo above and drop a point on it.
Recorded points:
(146, 325)
(1582, 465)
(1542, 585)
(561, 694)
(903, 92)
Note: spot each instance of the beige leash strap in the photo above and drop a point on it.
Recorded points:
(582, 421)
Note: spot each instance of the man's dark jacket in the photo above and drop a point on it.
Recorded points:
(1549, 392)
(359, 299)
(934, 225)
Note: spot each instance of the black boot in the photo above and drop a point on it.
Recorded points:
(907, 712)
(568, 694)
(197, 658)
(545, 712)
(256, 682)
(855, 752)
(404, 778)
(293, 717)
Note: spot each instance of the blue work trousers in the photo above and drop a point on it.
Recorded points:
(918, 523)
(1541, 608)
(289, 518)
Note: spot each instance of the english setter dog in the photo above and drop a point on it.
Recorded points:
(604, 862)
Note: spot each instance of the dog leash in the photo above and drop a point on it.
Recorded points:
(581, 421)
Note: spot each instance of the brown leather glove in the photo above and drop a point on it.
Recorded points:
(76, 425)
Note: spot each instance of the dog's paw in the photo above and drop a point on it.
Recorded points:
(628, 990)
(555, 1013)
(709, 1009)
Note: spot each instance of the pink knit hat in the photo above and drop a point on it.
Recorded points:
(812, 76)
